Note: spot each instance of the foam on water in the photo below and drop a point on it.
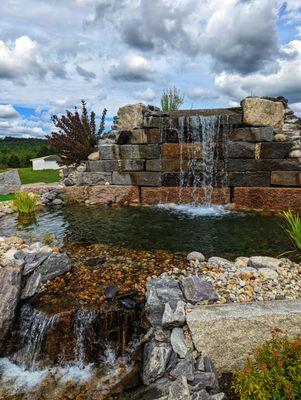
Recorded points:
(196, 211)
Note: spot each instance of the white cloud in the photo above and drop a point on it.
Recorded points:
(203, 94)
(285, 81)
(132, 68)
(147, 94)
(7, 111)
(22, 59)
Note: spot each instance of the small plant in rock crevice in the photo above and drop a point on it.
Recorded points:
(171, 99)
(292, 227)
(273, 373)
(25, 203)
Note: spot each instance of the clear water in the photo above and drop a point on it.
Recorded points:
(212, 230)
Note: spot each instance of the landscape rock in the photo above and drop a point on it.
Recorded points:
(32, 286)
(9, 181)
(179, 390)
(33, 261)
(159, 292)
(204, 380)
(201, 395)
(196, 289)
(183, 368)
(155, 359)
(10, 288)
(264, 262)
(195, 256)
(130, 116)
(178, 343)
(268, 273)
(263, 112)
(218, 396)
(55, 265)
(94, 156)
(174, 318)
(200, 364)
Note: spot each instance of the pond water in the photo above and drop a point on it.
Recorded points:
(214, 231)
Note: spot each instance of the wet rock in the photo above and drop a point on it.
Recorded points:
(195, 256)
(196, 289)
(155, 391)
(156, 356)
(183, 368)
(93, 262)
(179, 390)
(10, 287)
(159, 292)
(127, 295)
(178, 342)
(33, 261)
(32, 286)
(130, 304)
(111, 291)
(264, 262)
(55, 265)
(174, 318)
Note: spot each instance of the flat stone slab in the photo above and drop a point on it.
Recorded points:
(247, 326)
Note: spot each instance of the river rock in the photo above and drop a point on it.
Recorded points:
(196, 289)
(10, 288)
(33, 261)
(268, 273)
(195, 256)
(32, 286)
(183, 368)
(111, 291)
(159, 292)
(155, 359)
(179, 390)
(178, 342)
(264, 262)
(171, 318)
(219, 260)
(55, 265)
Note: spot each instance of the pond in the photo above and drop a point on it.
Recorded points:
(213, 231)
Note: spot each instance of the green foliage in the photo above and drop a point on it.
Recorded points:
(17, 152)
(274, 373)
(171, 99)
(292, 226)
(6, 197)
(28, 175)
(25, 203)
(76, 135)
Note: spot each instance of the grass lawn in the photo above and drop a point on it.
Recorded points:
(27, 175)
(6, 197)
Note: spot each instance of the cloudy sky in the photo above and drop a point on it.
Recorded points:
(114, 52)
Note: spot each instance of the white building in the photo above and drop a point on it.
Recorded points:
(47, 162)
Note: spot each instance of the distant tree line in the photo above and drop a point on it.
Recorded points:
(17, 152)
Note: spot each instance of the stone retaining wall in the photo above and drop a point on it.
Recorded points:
(257, 145)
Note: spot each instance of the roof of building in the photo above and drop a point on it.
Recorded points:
(51, 157)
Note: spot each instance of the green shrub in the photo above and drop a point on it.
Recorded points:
(171, 99)
(25, 203)
(274, 373)
(292, 226)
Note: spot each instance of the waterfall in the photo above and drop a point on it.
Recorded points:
(203, 163)
(34, 325)
(82, 323)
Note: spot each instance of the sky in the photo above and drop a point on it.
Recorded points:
(53, 53)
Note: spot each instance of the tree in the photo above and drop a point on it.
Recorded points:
(171, 99)
(77, 136)
(13, 161)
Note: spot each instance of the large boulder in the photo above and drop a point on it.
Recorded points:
(55, 265)
(263, 112)
(130, 117)
(228, 332)
(196, 289)
(10, 287)
(155, 360)
(160, 292)
(9, 181)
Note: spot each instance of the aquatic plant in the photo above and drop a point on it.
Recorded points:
(76, 135)
(171, 99)
(292, 226)
(25, 203)
(273, 373)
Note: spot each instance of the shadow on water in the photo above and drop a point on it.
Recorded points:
(183, 228)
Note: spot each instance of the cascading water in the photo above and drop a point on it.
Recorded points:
(47, 351)
(205, 141)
